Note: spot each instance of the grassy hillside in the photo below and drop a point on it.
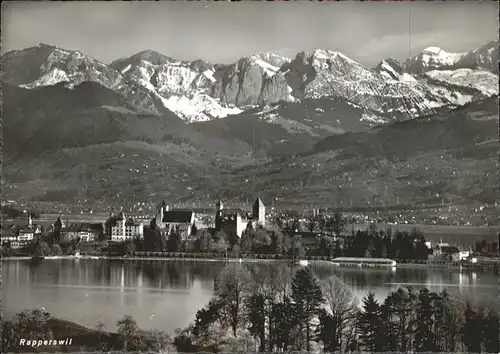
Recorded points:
(87, 143)
(289, 127)
(65, 145)
(451, 158)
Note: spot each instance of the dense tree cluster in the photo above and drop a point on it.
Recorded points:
(294, 311)
(387, 244)
(282, 309)
(318, 236)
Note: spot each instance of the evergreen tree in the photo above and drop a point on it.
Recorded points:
(390, 328)
(472, 330)
(421, 250)
(257, 318)
(491, 332)
(247, 241)
(204, 318)
(277, 242)
(370, 325)
(128, 328)
(401, 317)
(424, 337)
(306, 294)
(448, 318)
(205, 241)
(383, 249)
(174, 242)
(327, 331)
(283, 317)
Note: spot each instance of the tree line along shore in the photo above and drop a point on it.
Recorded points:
(408, 248)
(371, 242)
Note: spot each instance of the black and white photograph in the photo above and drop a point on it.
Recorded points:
(250, 176)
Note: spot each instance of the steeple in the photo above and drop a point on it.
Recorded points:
(259, 202)
(259, 211)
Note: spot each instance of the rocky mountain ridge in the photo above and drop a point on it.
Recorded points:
(201, 91)
(434, 58)
(457, 77)
(301, 127)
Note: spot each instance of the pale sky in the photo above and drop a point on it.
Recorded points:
(221, 32)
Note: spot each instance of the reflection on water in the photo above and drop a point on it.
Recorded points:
(166, 295)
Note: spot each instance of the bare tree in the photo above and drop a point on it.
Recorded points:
(273, 283)
(342, 310)
(232, 288)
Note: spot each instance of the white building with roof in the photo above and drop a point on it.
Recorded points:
(123, 228)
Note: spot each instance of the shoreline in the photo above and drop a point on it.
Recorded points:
(255, 260)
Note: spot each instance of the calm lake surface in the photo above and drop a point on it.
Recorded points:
(166, 294)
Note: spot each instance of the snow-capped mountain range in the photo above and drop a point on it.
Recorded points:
(202, 91)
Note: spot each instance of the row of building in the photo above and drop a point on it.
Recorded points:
(185, 221)
(121, 227)
(22, 235)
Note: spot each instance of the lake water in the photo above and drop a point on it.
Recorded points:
(166, 294)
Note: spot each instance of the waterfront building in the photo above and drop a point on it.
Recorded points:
(235, 220)
(121, 228)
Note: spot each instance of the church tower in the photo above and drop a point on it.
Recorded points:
(259, 212)
(218, 208)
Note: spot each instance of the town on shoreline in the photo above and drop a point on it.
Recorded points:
(233, 233)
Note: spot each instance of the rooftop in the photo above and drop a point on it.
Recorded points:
(180, 216)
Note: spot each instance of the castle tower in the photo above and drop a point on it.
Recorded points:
(159, 214)
(259, 211)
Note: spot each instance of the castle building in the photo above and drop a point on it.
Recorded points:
(236, 221)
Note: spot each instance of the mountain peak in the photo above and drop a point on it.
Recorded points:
(432, 58)
(45, 45)
(326, 54)
(148, 55)
(271, 58)
(153, 57)
(433, 50)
